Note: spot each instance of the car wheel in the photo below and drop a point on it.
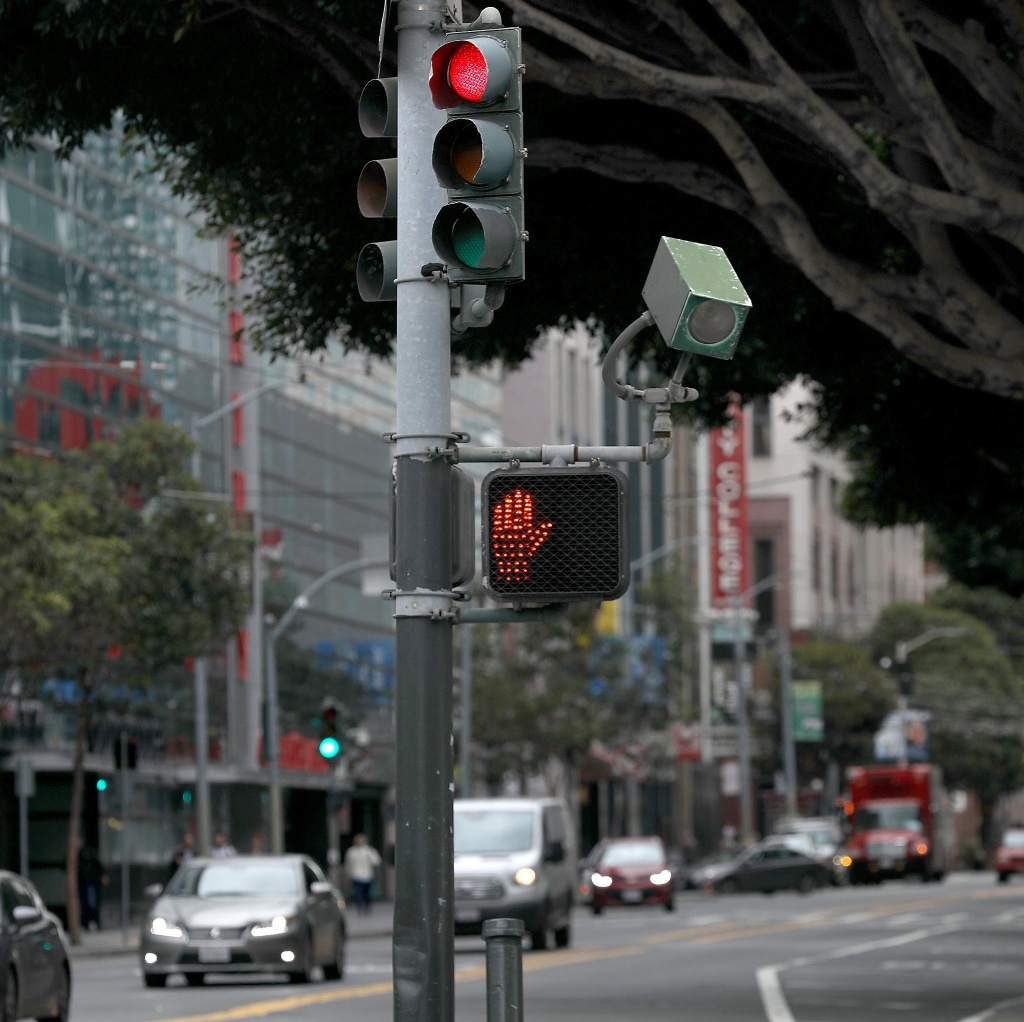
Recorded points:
(195, 979)
(1003, 877)
(563, 935)
(670, 905)
(728, 886)
(152, 979)
(61, 998)
(9, 1008)
(597, 909)
(336, 968)
(806, 884)
(539, 934)
(305, 974)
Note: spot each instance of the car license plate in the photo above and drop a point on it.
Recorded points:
(214, 955)
(885, 863)
(467, 915)
(632, 896)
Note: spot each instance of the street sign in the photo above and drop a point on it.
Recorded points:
(808, 716)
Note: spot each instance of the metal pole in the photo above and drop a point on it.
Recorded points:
(739, 660)
(23, 832)
(125, 906)
(504, 957)
(902, 701)
(271, 752)
(423, 943)
(202, 750)
(465, 691)
(788, 742)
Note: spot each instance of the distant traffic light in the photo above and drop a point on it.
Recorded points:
(330, 744)
(476, 76)
(101, 784)
(555, 534)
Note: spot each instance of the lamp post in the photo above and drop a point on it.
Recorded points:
(270, 739)
(201, 664)
(903, 649)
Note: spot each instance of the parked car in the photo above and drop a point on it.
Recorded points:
(1010, 854)
(35, 968)
(515, 858)
(698, 874)
(772, 865)
(256, 914)
(631, 871)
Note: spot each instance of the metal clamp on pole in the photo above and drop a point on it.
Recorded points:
(504, 956)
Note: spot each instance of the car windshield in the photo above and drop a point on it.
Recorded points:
(493, 831)
(905, 817)
(633, 853)
(235, 879)
(1013, 839)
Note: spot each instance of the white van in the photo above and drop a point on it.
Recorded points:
(515, 858)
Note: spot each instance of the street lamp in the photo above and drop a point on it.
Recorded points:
(903, 649)
(270, 739)
(201, 664)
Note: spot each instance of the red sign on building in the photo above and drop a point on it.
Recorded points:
(730, 556)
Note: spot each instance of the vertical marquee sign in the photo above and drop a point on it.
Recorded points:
(730, 557)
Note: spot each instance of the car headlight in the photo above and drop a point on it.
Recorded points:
(661, 878)
(276, 926)
(600, 880)
(160, 927)
(525, 876)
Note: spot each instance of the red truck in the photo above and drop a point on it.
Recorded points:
(899, 823)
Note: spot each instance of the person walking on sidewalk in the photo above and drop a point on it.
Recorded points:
(361, 863)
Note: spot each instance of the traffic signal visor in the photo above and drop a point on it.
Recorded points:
(696, 298)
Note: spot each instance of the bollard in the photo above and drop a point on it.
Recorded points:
(504, 939)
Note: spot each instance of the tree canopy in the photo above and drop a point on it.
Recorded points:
(859, 163)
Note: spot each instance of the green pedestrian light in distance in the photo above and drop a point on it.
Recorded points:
(101, 784)
(329, 747)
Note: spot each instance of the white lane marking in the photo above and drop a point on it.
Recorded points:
(775, 1007)
(990, 1013)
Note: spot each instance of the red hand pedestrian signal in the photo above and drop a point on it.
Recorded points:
(515, 539)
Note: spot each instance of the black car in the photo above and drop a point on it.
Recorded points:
(35, 971)
(767, 868)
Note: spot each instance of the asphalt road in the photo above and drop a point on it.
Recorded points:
(903, 952)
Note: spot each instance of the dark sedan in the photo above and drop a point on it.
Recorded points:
(261, 914)
(36, 973)
(767, 868)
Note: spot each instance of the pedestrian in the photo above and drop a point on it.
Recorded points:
(91, 879)
(361, 863)
(182, 854)
(256, 843)
(221, 849)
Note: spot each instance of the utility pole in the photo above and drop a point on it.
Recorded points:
(424, 954)
(788, 743)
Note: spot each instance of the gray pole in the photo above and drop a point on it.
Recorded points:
(423, 944)
(202, 749)
(271, 751)
(788, 743)
(465, 691)
(739, 659)
(23, 834)
(125, 904)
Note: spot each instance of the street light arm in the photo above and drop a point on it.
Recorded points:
(905, 647)
(302, 600)
(242, 399)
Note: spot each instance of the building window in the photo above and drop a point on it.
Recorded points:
(764, 567)
(815, 477)
(835, 494)
(851, 580)
(834, 567)
(761, 427)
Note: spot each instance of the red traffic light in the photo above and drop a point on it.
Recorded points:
(555, 534)
(478, 71)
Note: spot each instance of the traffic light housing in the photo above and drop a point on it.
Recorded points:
(555, 535)
(476, 76)
(126, 754)
(330, 743)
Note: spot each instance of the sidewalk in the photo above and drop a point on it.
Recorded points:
(100, 943)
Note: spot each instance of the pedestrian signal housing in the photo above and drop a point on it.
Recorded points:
(330, 744)
(555, 535)
(478, 155)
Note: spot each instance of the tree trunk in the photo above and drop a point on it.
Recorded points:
(75, 806)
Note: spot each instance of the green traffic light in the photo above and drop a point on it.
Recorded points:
(329, 747)
(468, 240)
(186, 797)
(101, 784)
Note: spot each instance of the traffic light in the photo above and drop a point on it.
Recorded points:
(555, 535)
(330, 744)
(101, 784)
(377, 191)
(126, 754)
(696, 298)
(476, 76)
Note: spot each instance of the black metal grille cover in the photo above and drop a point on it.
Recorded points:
(555, 534)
